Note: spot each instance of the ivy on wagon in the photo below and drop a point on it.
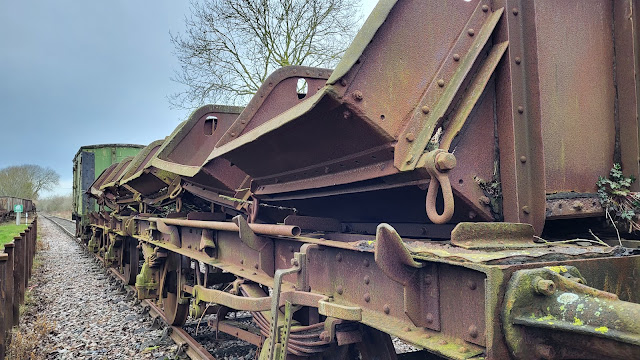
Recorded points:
(621, 205)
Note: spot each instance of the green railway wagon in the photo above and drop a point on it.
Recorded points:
(88, 163)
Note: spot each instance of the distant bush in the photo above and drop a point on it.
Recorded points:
(56, 204)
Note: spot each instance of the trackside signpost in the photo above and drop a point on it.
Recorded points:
(17, 209)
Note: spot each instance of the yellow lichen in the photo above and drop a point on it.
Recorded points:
(577, 322)
(602, 329)
(559, 269)
(546, 318)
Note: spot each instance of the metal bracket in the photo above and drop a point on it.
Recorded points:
(172, 231)
(262, 245)
(396, 262)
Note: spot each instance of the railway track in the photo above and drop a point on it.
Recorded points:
(189, 346)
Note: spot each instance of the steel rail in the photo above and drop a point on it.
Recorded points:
(194, 350)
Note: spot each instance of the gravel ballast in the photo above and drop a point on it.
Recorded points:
(92, 317)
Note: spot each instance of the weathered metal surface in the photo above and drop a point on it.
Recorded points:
(575, 50)
(627, 58)
(550, 313)
(522, 174)
(491, 236)
(277, 94)
(573, 205)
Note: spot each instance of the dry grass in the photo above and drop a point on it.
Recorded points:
(25, 341)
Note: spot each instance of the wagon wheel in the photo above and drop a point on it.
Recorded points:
(175, 310)
(130, 259)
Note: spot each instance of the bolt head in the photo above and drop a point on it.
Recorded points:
(471, 32)
(357, 95)
(445, 161)
(472, 284)
(485, 8)
(523, 159)
(518, 60)
(456, 57)
(428, 279)
(367, 297)
(441, 82)
(367, 279)
(545, 287)
(339, 290)
(473, 331)
(429, 318)
(515, 11)
(410, 137)
(425, 109)
(386, 308)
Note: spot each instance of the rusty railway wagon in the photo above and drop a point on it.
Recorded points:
(407, 193)
(7, 204)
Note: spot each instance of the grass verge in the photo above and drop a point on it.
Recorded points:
(8, 232)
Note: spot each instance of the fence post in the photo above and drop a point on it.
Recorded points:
(18, 276)
(3, 301)
(8, 314)
(27, 240)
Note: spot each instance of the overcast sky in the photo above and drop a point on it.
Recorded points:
(75, 73)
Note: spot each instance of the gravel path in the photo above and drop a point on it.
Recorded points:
(92, 317)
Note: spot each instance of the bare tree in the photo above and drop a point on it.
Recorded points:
(27, 181)
(230, 47)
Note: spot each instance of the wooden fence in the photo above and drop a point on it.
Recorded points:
(16, 263)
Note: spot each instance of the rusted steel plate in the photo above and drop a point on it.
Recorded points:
(577, 91)
(278, 93)
(627, 57)
(193, 140)
(518, 118)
